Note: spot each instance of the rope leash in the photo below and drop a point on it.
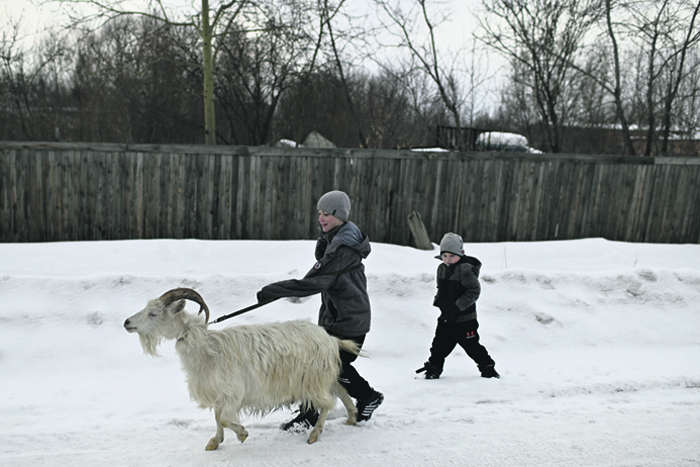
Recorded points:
(243, 310)
(258, 305)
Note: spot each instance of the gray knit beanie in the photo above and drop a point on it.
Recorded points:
(335, 203)
(452, 243)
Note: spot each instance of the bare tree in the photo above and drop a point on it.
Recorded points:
(255, 70)
(416, 30)
(686, 116)
(543, 37)
(677, 66)
(14, 88)
(317, 101)
(392, 123)
(516, 110)
(328, 13)
(661, 35)
(214, 20)
(296, 29)
(649, 43)
(30, 84)
(129, 84)
(616, 89)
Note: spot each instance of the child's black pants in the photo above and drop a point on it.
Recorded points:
(464, 334)
(356, 386)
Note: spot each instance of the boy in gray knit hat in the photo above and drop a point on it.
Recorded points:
(458, 289)
(336, 203)
(339, 276)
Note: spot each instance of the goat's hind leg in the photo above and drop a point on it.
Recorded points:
(318, 428)
(345, 398)
(326, 403)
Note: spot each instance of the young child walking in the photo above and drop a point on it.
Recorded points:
(339, 276)
(458, 289)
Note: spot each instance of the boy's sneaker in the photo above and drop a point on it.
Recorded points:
(490, 372)
(366, 407)
(306, 419)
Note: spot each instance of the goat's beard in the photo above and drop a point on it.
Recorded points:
(150, 343)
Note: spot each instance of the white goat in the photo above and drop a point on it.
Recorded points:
(253, 369)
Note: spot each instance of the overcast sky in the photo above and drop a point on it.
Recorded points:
(456, 31)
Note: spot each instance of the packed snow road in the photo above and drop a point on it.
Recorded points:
(596, 343)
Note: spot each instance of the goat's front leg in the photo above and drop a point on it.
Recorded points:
(226, 420)
(219, 436)
(235, 425)
(229, 419)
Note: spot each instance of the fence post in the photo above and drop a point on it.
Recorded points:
(420, 235)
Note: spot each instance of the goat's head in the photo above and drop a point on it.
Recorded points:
(161, 319)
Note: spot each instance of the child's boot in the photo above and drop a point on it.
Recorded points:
(431, 371)
(489, 372)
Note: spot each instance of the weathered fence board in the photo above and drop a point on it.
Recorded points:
(62, 191)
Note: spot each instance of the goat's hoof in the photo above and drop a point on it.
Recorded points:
(242, 437)
(351, 421)
(313, 437)
(212, 444)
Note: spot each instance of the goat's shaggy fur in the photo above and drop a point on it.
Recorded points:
(251, 369)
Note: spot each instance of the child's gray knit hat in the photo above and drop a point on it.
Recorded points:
(451, 243)
(335, 203)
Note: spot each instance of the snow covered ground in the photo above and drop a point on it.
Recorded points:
(597, 343)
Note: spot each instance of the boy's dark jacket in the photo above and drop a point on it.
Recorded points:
(458, 289)
(345, 308)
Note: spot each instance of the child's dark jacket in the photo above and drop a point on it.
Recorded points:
(345, 308)
(458, 288)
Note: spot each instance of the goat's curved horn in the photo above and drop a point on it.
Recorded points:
(176, 294)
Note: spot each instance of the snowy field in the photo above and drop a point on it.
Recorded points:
(597, 343)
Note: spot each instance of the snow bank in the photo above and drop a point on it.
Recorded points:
(596, 343)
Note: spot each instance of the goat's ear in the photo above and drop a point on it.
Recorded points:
(179, 306)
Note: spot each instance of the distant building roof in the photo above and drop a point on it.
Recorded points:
(316, 140)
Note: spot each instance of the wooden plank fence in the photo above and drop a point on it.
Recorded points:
(68, 192)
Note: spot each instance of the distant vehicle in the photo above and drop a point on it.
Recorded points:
(503, 141)
(435, 149)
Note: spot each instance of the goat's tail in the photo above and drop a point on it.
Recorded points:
(349, 346)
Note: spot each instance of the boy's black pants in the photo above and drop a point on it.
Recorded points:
(349, 378)
(449, 335)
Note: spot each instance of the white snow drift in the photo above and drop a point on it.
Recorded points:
(596, 343)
